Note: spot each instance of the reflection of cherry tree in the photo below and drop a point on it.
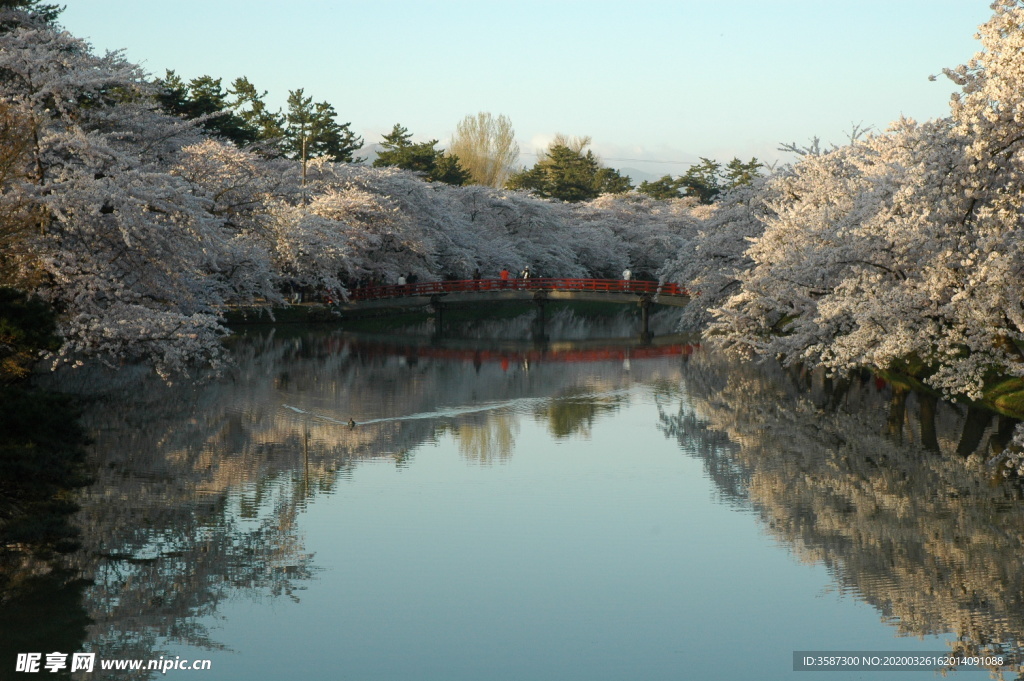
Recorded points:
(159, 567)
(562, 323)
(287, 390)
(927, 538)
(200, 486)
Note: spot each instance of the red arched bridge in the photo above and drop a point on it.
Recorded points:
(539, 289)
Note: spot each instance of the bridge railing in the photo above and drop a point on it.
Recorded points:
(429, 288)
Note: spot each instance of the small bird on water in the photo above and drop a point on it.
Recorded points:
(351, 423)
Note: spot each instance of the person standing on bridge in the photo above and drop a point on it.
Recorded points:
(627, 275)
(401, 283)
(525, 274)
(504, 274)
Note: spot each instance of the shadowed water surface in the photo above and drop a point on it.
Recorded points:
(597, 512)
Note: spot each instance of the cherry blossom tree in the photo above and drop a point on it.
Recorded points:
(900, 247)
(712, 256)
(110, 236)
(141, 230)
(645, 228)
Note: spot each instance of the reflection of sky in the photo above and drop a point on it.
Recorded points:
(578, 558)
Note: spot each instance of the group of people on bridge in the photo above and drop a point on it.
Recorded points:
(505, 275)
(527, 273)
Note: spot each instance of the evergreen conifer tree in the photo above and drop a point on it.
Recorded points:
(570, 172)
(310, 131)
(400, 151)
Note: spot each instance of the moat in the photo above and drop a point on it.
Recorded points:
(391, 506)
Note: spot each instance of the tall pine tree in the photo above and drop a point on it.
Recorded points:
(570, 172)
(400, 151)
(311, 130)
(204, 97)
(250, 107)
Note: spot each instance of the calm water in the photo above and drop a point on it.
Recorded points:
(502, 511)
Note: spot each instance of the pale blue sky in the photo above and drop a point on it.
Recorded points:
(665, 81)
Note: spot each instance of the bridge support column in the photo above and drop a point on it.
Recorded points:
(540, 299)
(645, 316)
(437, 309)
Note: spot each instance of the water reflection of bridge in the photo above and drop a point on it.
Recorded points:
(436, 295)
(513, 351)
